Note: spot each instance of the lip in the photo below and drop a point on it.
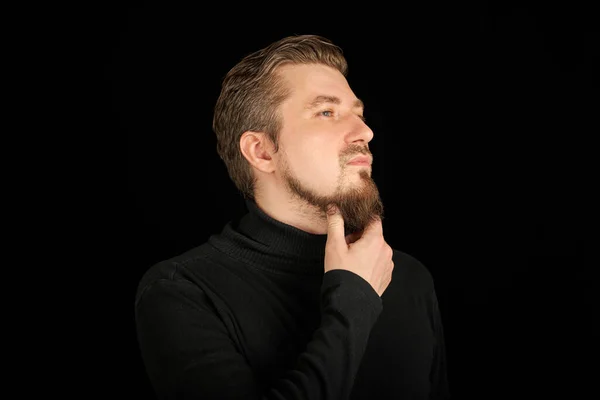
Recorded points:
(360, 160)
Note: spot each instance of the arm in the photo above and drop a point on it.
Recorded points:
(438, 376)
(189, 355)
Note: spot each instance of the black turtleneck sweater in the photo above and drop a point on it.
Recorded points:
(250, 315)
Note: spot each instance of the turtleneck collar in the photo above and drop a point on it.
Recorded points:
(269, 244)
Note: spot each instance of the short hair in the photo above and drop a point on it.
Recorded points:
(252, 92)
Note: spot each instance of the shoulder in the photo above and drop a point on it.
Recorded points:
(411, 272)
(170, 274)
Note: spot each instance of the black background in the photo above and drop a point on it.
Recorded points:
(482, 153)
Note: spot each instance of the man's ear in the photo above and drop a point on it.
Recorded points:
(258, 150)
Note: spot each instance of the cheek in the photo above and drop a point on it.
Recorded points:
(320, 161)
(314, 161)
(324, 172)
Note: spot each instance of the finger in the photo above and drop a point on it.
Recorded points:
(353, 237)
(335, 226)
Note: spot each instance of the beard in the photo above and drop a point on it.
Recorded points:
(358, 200)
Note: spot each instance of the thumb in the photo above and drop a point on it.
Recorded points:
(335, 226)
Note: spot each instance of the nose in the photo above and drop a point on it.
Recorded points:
(359, 130)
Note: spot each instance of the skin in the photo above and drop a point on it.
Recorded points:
(310, 171)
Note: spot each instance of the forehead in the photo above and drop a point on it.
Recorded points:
(308, 81)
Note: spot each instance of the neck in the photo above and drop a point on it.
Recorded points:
(267, 243)
(302, 216)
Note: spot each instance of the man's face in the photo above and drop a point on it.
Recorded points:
(322, 131)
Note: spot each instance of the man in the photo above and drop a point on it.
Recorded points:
(295, 300)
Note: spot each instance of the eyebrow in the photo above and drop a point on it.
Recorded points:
(322, 99)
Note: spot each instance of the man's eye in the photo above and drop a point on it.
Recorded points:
(326, 113)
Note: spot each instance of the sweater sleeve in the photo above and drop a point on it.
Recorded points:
(189, 354)
(438, 375)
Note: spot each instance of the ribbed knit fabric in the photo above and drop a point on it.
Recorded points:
(250, 315)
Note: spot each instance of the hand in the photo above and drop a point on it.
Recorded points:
(365, 253)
